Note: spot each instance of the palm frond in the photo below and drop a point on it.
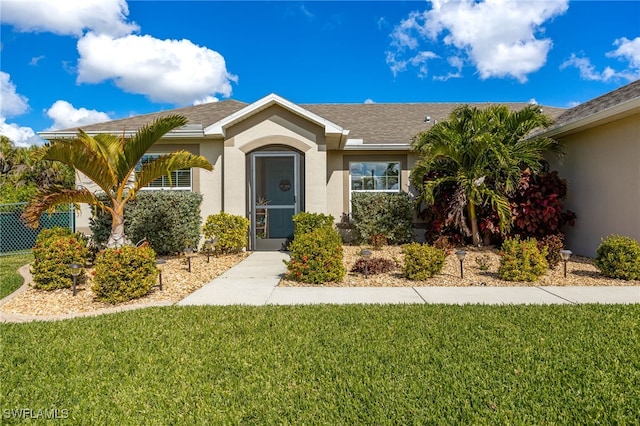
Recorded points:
(48, 198)
(86, 155)
(166, 164)
(134, 148)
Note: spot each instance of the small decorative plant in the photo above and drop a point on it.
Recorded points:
(373, 266)
(483, 261)
(377, 241)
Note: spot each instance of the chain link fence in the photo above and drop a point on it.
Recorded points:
(16, 237)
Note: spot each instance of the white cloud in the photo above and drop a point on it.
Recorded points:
(36, 59)
(205, 100)
(11, 102)
(369, 101)
(66, 116)
(533, 101)
(68, 17)
(174, 71)
(586, 68)
(21, 136)
(499, 38)
(628, 50)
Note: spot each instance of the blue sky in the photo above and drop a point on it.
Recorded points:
(67, 63)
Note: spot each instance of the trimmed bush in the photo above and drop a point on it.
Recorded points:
(231, 232)
(521, 260)
(389, 214)
(124, 273)
(304, 222)
(316, 257)
(168, 220)
(373, 266)
(422, 261)
(619, 257)
(54, 251)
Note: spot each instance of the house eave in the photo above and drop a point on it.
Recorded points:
(359, 145)
(616, 112)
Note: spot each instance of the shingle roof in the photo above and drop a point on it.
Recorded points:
(204, 114)
(374, 123)
(395, 123)
(601, 103)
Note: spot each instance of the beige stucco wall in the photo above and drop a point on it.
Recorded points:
(271, 127)
(602, 167)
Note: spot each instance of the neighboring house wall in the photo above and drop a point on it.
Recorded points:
(602, 167)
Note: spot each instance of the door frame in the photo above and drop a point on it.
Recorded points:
(272, 244)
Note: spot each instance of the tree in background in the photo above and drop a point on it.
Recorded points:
(22, 173)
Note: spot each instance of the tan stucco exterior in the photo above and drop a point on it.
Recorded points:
(602, 167)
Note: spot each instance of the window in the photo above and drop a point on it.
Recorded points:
(374, 176)
(180, 179)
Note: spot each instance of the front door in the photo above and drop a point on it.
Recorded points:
(274, 198)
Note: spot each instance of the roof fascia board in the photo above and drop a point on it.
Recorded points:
(186, 132)
(575, 125)
(219, 127)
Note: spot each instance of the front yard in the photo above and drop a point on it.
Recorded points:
(330, 365)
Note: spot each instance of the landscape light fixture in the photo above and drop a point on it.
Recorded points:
(75, 271)
(366, 254)
(565, 255)
(160, 264)
(208, 246)
(188, 252)
(460, 254)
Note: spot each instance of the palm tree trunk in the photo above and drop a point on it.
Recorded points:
(117, 238)
(475, 233)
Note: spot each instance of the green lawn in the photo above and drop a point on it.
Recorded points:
(401, 364)
(10, 280)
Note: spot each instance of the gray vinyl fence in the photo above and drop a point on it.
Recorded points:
(17, 237)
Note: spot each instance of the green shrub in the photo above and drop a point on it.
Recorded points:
(230, 231)
(168, 220)
(124, 273)
(373, 266)
(316, 257)
(422, 261)
(619, 257)
(54, 251)
(389, 214)
(521, 260)
(304, 222)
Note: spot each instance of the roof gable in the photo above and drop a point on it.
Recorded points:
(218, 128)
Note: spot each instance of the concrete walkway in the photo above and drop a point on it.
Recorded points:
(254, 281)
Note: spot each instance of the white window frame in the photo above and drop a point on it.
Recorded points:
(174, 178)
(375, 178)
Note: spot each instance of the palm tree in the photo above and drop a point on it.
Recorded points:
(481, 154)
(110, 162)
